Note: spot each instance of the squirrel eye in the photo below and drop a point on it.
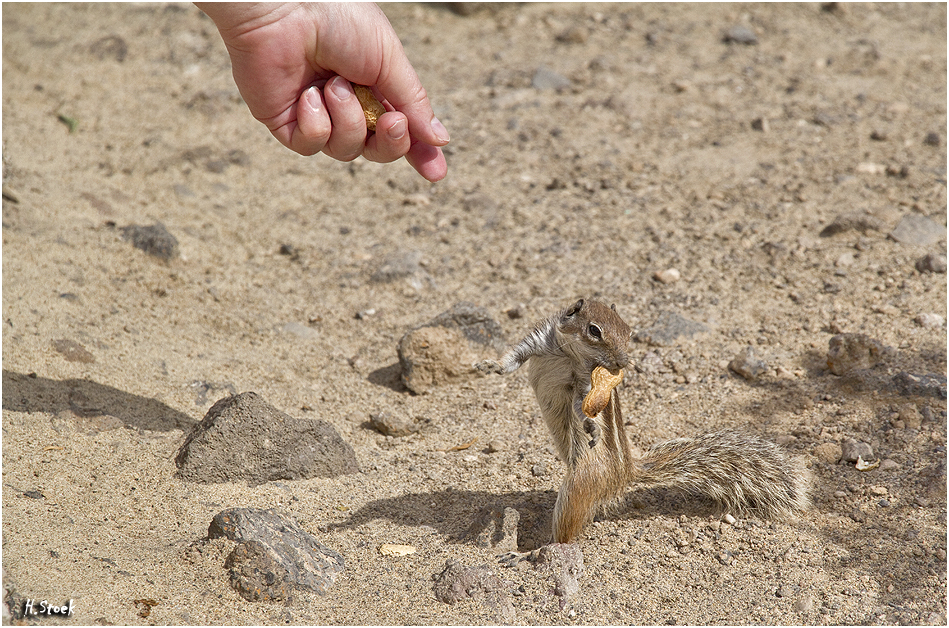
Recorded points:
(595, 332)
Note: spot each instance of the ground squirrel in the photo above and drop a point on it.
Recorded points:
(743, 473)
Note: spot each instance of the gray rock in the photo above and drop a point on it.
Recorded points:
(243, 438)
(73, 351)
(931, 263)
(155, 240)
(929, 321)
(274, 556)
(849, 352)
(918, 230)
(850, 450)
(564, 564)
(748, 365)
(669, 328)
(927, 385)
(494, 528)
(545, 78)
(457, 583)
(740, 35)
(404, 266)
(392, 424)
(442, 350)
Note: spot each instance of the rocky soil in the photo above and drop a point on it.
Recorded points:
(760, 189)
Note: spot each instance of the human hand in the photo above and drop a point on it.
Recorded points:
(293, 64)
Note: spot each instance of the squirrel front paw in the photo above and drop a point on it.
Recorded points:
(489, 366)
(590, 427)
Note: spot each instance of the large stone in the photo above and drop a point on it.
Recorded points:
(274, 556)
(457, 583)
(443, 350)
(244, 438)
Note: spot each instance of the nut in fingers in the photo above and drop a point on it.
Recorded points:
(370, 106)
(602, 383)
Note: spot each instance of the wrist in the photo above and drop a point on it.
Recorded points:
(235, 18)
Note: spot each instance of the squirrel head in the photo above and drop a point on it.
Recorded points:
(595, 334)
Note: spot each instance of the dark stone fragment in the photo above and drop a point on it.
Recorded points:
(928, 385)
(849, 352)
(154, 240)
(932, 263)
(73, 351)
(457, 582)
(243, 438)
(274, 556)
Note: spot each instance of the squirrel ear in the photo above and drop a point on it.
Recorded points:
(613, 306)
(574, 308)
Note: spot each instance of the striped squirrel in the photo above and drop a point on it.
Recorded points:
(741, 472)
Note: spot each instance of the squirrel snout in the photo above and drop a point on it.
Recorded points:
(620, 360)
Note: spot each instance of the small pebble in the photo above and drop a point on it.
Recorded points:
(929, 321)
(747, 364)
(878, 490)
(740, 35)
(931, 263)
(845, 259)
(539, 469)
(760, 124)
(851, 450)
(804, 605)
(670, 275)
(932, 139)
(494, 446)
(730, 520)
(889, 465)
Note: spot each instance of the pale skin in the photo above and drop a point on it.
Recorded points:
(295, 63)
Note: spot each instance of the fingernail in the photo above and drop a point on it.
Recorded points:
(397, 130)
(312, 96)
(340, 89)
(440, 131)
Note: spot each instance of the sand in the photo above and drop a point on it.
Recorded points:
(592, 147)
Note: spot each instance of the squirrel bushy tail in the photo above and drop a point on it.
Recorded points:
(743, 473)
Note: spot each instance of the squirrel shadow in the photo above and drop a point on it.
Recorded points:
(89, 400)
(452, 511)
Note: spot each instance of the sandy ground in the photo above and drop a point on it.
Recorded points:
(666, 147)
